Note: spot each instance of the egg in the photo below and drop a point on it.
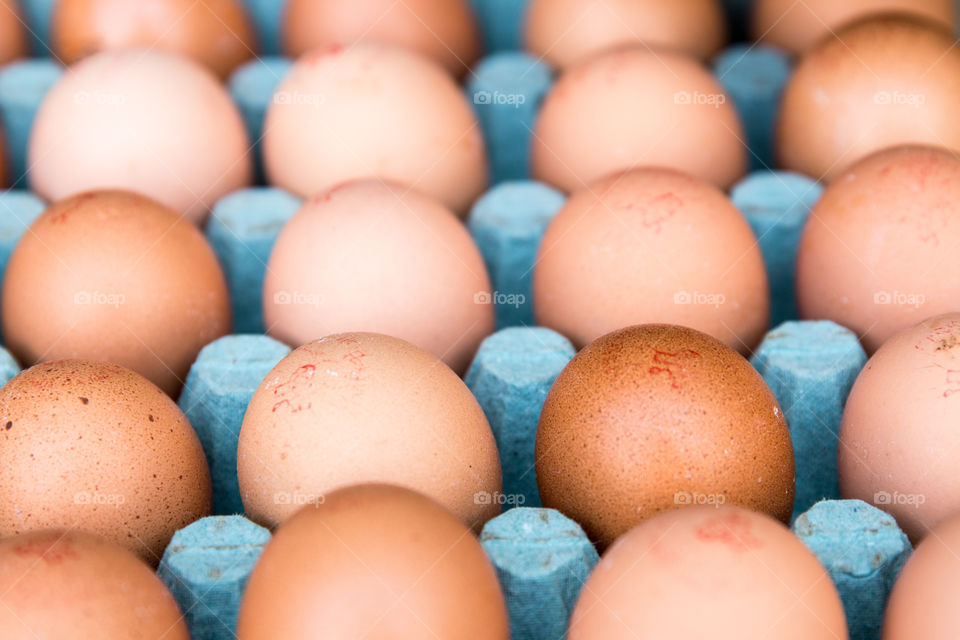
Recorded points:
(364, 407)
(923, 601)
(373, 561)
(724, 573)
(796, 27)
(443, 30)
(373, 110)
(13, 39)
(144, 120)
(879, 83)
(899, 424)
(879, 251)
(112, 275)
(93, 446)
(565, 32)
(651, 245)
(68, 584)
(216, 33)
(636, 107)
(654, 417)
(373, 256)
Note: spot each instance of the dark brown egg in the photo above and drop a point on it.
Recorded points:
(216, 33)
(13, 39)
(96, 447)
(68, 584)
(654, 417)
(373, 561)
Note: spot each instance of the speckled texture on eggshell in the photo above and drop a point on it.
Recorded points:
(363, 407)
(68, 584)
(95, 446)
(373, 561)
(655, 417)
(114, 276)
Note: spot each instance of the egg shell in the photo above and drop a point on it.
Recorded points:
(879, 251)
(68, 584)
(923, 602)
(797, 26)
(216, 33)
(144, 120)
(709, 572)
(651, 245)
(637, 107)
(373, 561)
(114, 276)
(372, 110)
(899, 424)
(375, 256)
(364, 407)
(879, 83)
(443, 30)
(13, 39)
(565, 32)
(94, 446)
(653, 417)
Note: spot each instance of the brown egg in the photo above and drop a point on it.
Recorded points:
(653, 417)
(67, 584)
(216, 33)
(701, 572)
(111, 275)
(651, 245)
(923, 602)
(371, 256)
(566, 32)
(880, 251)
(879, 83)
(899, 424)
(94, 446)
(147, 121)
(632, 108)
(374, 111)
(13, 38)
(373, 561)
(443, 30)
(363, 407)
(797, 26)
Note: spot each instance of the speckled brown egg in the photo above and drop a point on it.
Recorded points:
(564, 32)
(373, 561)
(13, 39)
(68, 584)
(215, 33)
(723, 573)
(111, 275)
(878, 83)
(443, 30)
(879, 252)
(365, 407)
(374, 111)
(93, 446)
(651, 245)
(374, 256)
(797, 26)
(654, 417)
(637, 107)
(900, 423)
